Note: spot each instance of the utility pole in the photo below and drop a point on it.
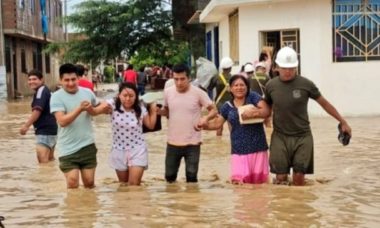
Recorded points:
(65, 15)
(2, 61)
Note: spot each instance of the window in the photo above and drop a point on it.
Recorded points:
(37, 57)
(21, 4)
(60, 10)
(216, 46)
(32, 6)
(48, 9)
(208, 45)
(356, 30)
(8, 64)
(23, 61)
(47, 63)
(234, 36)
(34, 59)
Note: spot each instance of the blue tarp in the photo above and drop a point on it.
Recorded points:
(43, 6)
(44, 19)
(45, 24)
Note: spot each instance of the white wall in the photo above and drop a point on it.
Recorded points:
(347, 86)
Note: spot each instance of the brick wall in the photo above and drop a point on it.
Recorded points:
(9, 14)
(23, 30)
(25, 19)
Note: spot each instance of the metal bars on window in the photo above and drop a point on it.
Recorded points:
(356, 30)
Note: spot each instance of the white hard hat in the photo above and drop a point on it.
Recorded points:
(248, 68)
(226, 63)
(261, 64)
(287, 58)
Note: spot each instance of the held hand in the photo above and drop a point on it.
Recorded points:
(201, 124)
(23, 130)
(108, 109)
(245, 115)
(250, 113)
(85, 105)
(161, 111)
(153, 108)
(346, 128)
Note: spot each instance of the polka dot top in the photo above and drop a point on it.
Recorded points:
(245, 138)
(126, 130)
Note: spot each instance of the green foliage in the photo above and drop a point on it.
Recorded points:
(163, 52)
(112, 28)
(52, 48)
(109, 73)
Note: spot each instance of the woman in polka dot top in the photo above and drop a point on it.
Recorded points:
(129, 154)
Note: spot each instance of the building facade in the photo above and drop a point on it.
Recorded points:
(25, 39)
(338, 42)
(186, 26)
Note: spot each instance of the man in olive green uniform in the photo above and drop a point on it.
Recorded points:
(257, 79)
(292, 141)
(257, 82)
(220, 83)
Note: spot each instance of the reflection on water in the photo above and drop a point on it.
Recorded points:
(344, 192)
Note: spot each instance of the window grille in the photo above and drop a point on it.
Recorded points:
(356, 30)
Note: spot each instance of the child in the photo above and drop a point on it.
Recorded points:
(129, 154)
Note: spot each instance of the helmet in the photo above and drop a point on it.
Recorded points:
(287, 58)
(226, 63)
(248, 68)
(260, 64)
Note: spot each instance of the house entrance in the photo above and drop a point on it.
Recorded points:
(281, 38)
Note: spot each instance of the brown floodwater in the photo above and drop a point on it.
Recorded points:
(344, 192)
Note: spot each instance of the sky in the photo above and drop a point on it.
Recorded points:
(70, 5)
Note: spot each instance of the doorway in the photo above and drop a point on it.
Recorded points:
(14, 67)
(281, 38)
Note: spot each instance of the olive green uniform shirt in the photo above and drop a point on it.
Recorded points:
(216, 82)
(259, 81)
(289, 102)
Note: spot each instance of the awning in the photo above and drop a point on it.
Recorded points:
(217, 9)
(195, 18)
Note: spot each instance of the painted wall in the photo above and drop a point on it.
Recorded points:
(51, 79)
(348, 86)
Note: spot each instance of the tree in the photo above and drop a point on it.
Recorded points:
(163, 52)
(112, 29)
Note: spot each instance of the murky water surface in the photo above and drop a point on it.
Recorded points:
(344, 192)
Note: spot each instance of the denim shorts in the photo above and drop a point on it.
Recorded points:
(47, 140)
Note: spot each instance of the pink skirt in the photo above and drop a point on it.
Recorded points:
(250, 168)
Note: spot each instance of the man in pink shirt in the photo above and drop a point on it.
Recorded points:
(183, 104)
(83, 81)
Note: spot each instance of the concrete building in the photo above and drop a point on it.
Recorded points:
(24, 40)
(338, 42)
(186, 26)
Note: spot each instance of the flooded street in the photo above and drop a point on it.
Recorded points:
(344, 192)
